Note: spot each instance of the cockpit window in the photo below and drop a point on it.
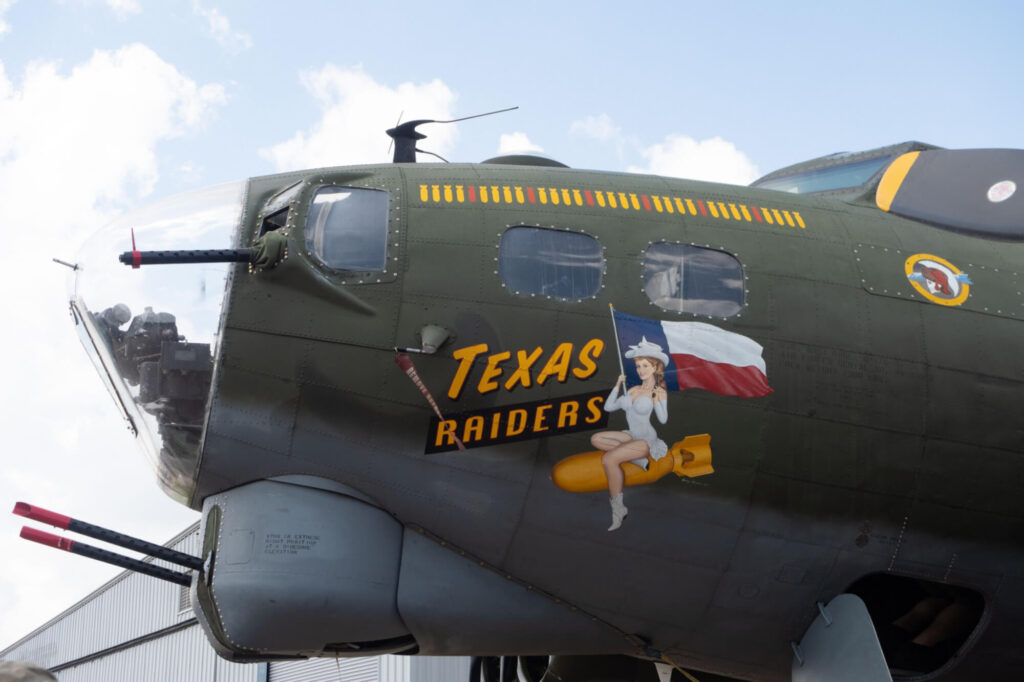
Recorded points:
(274, 221)
(847, 176)
(692, 279)
(282, 198)
(552, 263)
(275, 212)
(347, 228)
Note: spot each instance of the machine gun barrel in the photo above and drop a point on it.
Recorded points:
(106, 535)
(69, 545)
(137, 258)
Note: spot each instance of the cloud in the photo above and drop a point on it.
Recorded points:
(354, 110)
(218, 26)
(517, 142)
(598, 127)
(4, 6)
(97, 127)
(122, 8)
(713, 160)
(76, 147)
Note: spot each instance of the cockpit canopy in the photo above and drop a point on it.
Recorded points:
(970, 191)
(847, 174)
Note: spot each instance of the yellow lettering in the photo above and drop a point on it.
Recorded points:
(516, 423)
(473, 430)
(465, 356)
(446, 431)
(558, 364)
(495, 424)
(540, 419)
(522, 373)
(487, 382)
(591, 351)
(594, 408)
(568, 413)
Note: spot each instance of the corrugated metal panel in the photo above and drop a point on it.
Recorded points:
(360, 669)
(326, 670)
(438, 668)
(313, 670)
(128, 607)
(381, 669)
(227, 671)
(182, 656)
(395, 668)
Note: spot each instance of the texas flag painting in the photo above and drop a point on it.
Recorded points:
(700, 356)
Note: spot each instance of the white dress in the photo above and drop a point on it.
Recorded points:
(638, 417)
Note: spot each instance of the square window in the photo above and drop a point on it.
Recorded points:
(552, 263)
(347, 228)
(692, 279)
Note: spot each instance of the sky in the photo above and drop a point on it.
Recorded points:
(106, 105)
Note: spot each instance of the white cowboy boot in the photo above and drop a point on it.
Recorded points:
(619, 512)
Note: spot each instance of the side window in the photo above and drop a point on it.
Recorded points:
(347, 228)
(691, 279)
(275, 213)
(552, 263)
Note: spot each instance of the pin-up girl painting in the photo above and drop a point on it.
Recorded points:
(670, 356)
(639, 443)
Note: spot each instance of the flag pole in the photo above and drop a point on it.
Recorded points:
(618, 348)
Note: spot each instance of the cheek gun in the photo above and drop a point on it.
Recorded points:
(265, 253)
(106, 535)
(139, 258)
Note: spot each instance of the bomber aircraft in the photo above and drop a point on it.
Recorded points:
(611, 424)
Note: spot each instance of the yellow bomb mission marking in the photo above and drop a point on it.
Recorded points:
(562, 362)
(591, 199)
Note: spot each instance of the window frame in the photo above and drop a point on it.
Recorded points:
(644, 279)
(550, 228)
(364, 276)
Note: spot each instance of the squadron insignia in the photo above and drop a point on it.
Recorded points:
(937, 279)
